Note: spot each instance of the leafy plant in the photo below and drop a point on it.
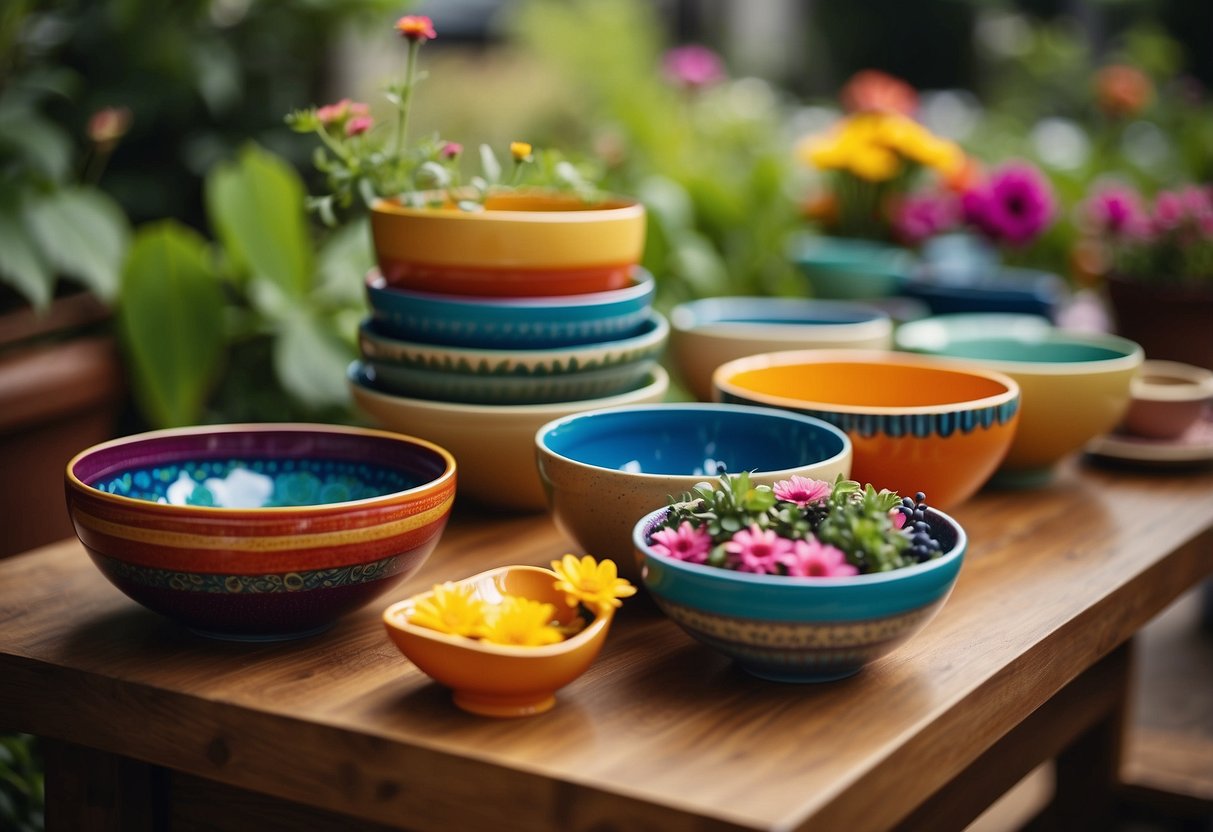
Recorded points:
(257, 325)
(22, 787)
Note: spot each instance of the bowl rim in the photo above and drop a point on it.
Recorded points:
(689, 318)
(672, 407)
(393, 619)
(723, 373)
(657, 378)
(615, 208)
(653, 336)
(1196, 383)
(438, 483)
(1130, 353)
(643, 286)
(749, 578)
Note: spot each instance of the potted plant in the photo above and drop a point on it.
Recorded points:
(802, 581)
(871, 159)
(1158, 267)
(537, 228)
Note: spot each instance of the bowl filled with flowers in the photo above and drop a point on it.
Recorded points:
(504, 641)
(803, 581)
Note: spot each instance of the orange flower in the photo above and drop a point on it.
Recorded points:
(416, 27)
(871, 90)
(1122, 91)
(964, 177)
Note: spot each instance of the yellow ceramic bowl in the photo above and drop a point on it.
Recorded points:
(498, 679)
(493, 444)
(1075, 385)
(915, 423)
(523, 244)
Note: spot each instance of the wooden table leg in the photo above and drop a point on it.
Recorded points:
(94, 791)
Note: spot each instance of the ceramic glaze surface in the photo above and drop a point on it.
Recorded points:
(494, 679)
(802, 629)
(604, 469)
(494, 323)
(259, 531)
(839, 267)
(915, 424)
(708, 333)
(1074, 386)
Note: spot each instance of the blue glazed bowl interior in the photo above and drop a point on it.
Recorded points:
(779, 311)
(706, 440)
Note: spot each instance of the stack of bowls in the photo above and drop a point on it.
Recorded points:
(477, 365)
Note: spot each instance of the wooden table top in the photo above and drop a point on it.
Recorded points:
(661, 732)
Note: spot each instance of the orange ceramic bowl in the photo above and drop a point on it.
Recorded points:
(524, 244)
(915, 423)
(499, 679)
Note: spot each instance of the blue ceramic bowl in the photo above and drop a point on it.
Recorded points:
(603, 469)
(516, 323)
(802, 629)
(1004, 290)
(839, 267)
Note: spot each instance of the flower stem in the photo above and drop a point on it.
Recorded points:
(406, 98)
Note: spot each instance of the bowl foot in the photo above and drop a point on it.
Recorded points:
(259, 637)
(803, 676)
(503, 706)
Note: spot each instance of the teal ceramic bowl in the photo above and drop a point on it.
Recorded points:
(843, 268)
(802, 629)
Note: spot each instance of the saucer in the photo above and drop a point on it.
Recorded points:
(1194, 446)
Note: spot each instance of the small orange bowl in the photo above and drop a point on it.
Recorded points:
(915, 423)
(498, 679)
(522, 244)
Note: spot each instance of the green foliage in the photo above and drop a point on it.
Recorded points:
(22, 788)
(260, 302)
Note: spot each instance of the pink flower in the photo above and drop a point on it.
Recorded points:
(358, 125)
(416, 27)
(814, 559)
(683, 543)
(1014, 206)
(758, 550)
(898, 519)
(451, 150)
(1116, 210)
(337, 114)
(693, 66)
(108, 125)
(802, 491)
(919, 217)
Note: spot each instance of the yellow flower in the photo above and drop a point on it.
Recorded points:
(588, 582)
(521, 151)
(874, 163)
(522, 622)
(452, 609)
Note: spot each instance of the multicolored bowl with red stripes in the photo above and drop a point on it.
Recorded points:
(790, 629)
(260, 532)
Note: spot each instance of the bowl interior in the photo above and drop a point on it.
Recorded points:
(729, 313)
(1020, 339)
(258, 468)
(693, 440)
(870, 384)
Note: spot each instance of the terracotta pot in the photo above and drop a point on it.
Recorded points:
(1173, 323)
(57, 396)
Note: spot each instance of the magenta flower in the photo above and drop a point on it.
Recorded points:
(758, 550)
(919, 217)
(802, 491)
(693, 66)
(684, 543)
(814, 559)
(358, 125)
(1116, 210)
(898, 519)
(1015, 205)
(451, 150)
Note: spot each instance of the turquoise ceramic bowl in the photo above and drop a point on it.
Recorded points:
(511, 323)
(802, 629)
(440, 385)
(604, 469)
(839, 267)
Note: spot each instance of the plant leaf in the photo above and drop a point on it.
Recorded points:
(345, 258)
(21, 266)
(311, 362)
(256, 206)
(489, 165)
(45, 147)
(171, 321)
(82, 233)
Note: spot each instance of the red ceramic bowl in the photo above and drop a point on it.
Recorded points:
(260, 532)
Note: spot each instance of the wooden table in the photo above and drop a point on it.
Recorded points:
(1026, 660)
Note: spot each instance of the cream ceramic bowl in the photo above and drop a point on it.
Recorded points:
(1074, 385)
(493, 444)
(707, 333)
(605, 469)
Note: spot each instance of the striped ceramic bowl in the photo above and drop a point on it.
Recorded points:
(792, 629)
(260, 532)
